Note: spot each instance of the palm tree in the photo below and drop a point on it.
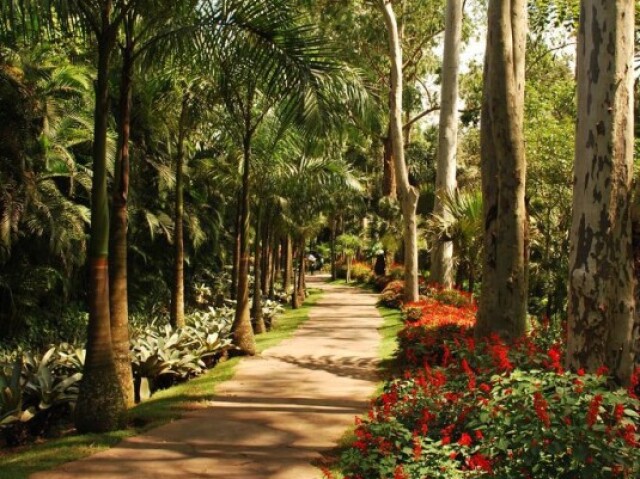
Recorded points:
(461, 223)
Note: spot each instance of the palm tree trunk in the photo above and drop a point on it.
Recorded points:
(266, 256)
(177, 291)
(258, 320)
(100, 406)
(442, 254)
(236, 248)
(275, 266)
(409, 195)
(503, 303)
(301, 272)
(242, 330)
(118, 240)
(288, 264)
(334, 269)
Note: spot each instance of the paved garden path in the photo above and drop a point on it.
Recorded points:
(278, 414)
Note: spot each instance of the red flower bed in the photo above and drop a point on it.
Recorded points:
(463, 408)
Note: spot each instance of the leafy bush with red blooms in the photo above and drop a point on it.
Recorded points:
(466, 409)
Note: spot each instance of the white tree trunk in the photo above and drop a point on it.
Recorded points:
(601, 279)
(503, 303)
(442, 254)
(408, 194)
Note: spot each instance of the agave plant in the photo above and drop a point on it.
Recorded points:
(70, 358)
(11, 394)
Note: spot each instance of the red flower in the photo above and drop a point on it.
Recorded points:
(594, 410)
(399, 473)
(555, 357)
(500, 354)
(629, 435)
(465, 440)
(479, 461)
(540, 405)
(602, 371)
(618, 412)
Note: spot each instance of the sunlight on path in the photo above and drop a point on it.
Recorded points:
(278, 414)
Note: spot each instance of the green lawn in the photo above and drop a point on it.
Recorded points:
(164, 406)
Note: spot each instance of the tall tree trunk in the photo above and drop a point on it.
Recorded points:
(177, 290)
(295, 296)
(389, 182)
(258, 320)
(288, 264)
(100, 406)
(275, 267)
(601, 280)
(242, 330)
(503, 303)
(442, 254)
(266, 257)
(301, 273)
(237, 234)
(334, 268)
(408, 194)
(118, 296)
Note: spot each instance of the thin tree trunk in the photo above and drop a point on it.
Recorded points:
(242, 330)
(301, 273)
(295, 296)
(100, 406)
(236, 248)
(177, 291)
(442, 254)
(408, 194)
(601, 280)
(288, 264)
(266, 258)
(119, 226)
(275, 267)
(334, 268)
(503, 304)
(258, 320)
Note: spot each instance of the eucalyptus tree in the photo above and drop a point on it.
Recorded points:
(408, 193)
(442, 253)
(601, 278)
(503, 303)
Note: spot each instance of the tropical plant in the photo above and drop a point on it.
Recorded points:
(461, 223)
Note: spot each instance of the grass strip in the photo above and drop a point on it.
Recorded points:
(164, 406)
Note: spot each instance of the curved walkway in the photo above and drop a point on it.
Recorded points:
(278, 414)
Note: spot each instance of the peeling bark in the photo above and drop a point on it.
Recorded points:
(503, 303)
(442, 254)
(407, 193)
(601, 279)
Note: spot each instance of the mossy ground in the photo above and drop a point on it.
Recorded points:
(163, 407)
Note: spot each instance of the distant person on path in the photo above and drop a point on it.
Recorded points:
(381, 264)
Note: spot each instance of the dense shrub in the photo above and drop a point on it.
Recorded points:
(392, 295)
(464, 408)
(362, 272)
